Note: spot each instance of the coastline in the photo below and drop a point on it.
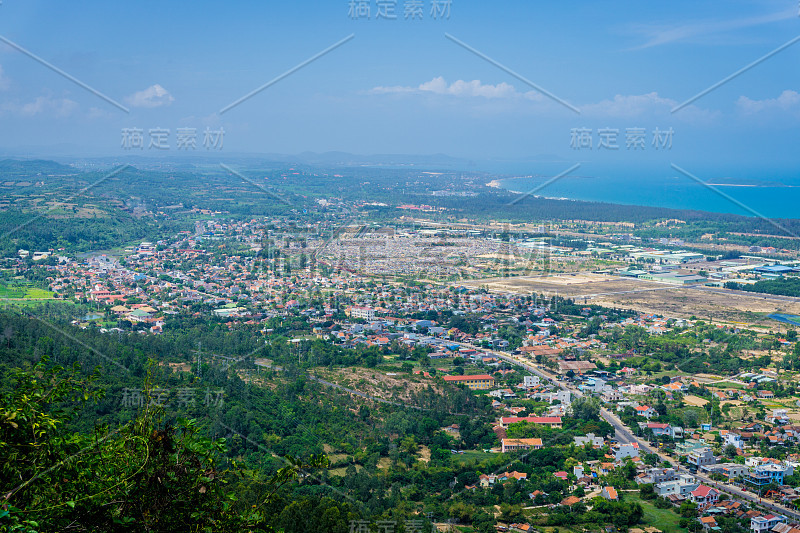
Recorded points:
(667, 194)
(496, 184)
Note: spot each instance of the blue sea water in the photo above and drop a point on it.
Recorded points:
(775, 195)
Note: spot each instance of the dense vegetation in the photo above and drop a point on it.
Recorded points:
(691, 350)
(145, 475)
(782, 286)
(235, 426)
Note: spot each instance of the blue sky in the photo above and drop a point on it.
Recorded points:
(401, 86)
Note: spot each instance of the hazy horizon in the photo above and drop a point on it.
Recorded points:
(473, 81)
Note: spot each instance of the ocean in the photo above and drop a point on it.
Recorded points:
(772, 197)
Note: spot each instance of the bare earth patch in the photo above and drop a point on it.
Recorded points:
(376, 383)
(695, 400)
(650, 296)
(424, 454)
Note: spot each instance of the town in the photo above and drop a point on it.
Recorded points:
(696, 415)
(417, 266)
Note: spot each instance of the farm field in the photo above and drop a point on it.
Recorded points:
(725, 385)
(23, 291)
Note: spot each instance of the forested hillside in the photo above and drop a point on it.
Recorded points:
(116, 396)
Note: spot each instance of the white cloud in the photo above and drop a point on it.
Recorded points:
(153, 96)
(649, 105)
(705, 29)
(620, 106)
(630, 105)
(460, 88)
(43, 105)
(787, 101)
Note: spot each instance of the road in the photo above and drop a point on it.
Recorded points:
(624, 435)
(736, 491)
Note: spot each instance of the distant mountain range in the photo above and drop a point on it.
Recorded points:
(33, 167)
(188, 160)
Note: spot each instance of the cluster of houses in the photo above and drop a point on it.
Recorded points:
(679, 487)
(757, 472)
(760, 522)
(175, 273)
(668, 483)
(487, 480)
(755, 433)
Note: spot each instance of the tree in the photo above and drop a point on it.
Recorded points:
(663, 503)
(510, 513)
(585, 408)
(688, 509)
(730, 451)
(148, 475)
(364, 413)
(647, 492)
(629, 470)
(483, 522)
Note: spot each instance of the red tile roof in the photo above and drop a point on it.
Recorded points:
(531, 419)
(465, 378)
(703, 491)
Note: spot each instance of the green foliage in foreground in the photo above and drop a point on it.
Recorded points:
(143, 476)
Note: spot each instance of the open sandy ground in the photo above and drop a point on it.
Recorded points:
(651, 297)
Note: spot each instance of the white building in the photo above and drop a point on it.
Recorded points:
(683, 486)
(729, 470)
(530, 381)
(596, 385)
(563, 396)
(367, 313)
(661, 475)
(779, 416)
(589, 439)
(626, 450)
(612, 396)
(639, 389)
(734, 439)
(701, 457)
(766, 523)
